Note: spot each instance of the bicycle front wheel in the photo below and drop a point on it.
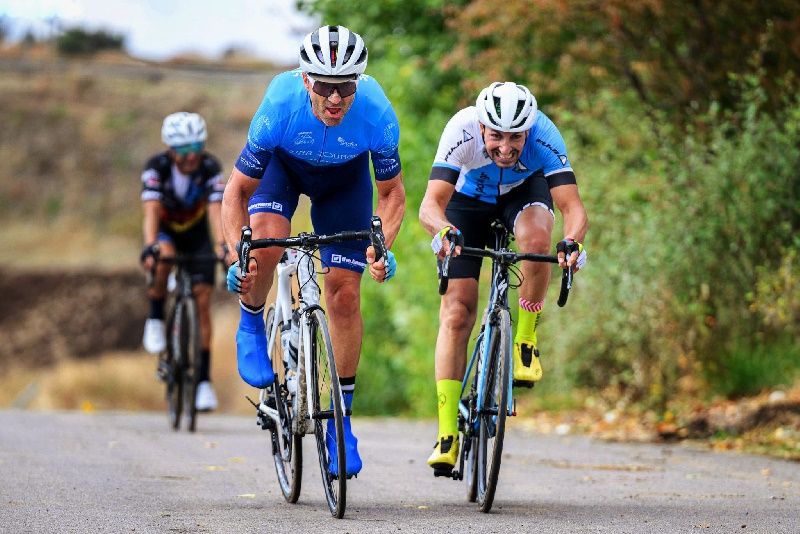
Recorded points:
(174, 376)
(287, 449)
(190, 344)
(327, 413)
(493, 409)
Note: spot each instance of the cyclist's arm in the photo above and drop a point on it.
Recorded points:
(215, 225)
(391, 206)
(432, 210)
(569, 203)
(234, 215)
(151, 211)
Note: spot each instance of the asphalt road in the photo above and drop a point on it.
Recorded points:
(127, 472)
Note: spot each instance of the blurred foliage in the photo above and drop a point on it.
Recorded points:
(81, 42)
(680, 120)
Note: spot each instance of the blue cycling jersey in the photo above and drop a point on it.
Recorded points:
(462, 159)
(285, 125)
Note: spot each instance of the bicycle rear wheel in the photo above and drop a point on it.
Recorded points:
(326, 404)
(469, 447)
(492, 412)
(287, 449)
(174, 377)
(190, 344)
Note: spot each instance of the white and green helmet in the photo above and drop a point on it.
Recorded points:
(507, 107)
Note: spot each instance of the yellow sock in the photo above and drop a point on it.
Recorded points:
(449, 394)
(526, 325)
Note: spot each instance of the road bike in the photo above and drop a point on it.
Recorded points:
(306, 394)
(179, 364)
(486, 390)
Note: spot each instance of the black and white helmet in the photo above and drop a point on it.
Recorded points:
(507, 107)
(333, 51)
(183, 128)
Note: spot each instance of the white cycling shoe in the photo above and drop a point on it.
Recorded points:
(206, 399)
(155, 339)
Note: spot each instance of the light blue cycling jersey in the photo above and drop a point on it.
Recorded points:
(285, 125)
(462, 159)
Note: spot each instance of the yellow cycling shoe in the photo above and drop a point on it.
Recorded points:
(444, 453)
(527, 368)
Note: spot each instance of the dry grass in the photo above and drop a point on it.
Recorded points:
(124, 380)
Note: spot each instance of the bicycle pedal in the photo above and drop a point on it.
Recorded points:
(523, 384)
(444, 472)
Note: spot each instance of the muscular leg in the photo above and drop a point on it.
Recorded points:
(202, 294)
(456, 319)
(265, 225)
(533, 230)
(343, 301)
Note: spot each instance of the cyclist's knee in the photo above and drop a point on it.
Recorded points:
(344, 300)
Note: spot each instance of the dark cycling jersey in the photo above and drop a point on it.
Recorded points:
(463, 161)
(183, 198)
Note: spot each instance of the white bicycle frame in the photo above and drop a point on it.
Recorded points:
(300, 263)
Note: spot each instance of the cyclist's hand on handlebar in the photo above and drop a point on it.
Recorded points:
(149, 256)
(241, 283)
(445, 239)
(571, 254)
(224, 253)
(383, 269)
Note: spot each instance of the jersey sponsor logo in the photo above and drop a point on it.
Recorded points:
(520, 167)
(338, 258)
(150, 178)
(552, 149)
(465, 138)
(343, 142)
(277, 206)
(480, 184)
(304, 138)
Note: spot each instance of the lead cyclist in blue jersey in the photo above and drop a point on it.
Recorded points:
(500, 159)
(315, 132)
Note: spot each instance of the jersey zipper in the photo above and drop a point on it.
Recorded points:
(322, 151)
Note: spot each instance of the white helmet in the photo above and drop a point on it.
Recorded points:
(333, 51)
(507, 107)
(183, 128)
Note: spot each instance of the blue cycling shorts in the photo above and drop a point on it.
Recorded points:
(341, 199)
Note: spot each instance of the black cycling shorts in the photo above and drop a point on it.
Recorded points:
(194, 240)
(474, 219)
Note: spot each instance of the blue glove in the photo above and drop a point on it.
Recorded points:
(234, 282)
(391, 265)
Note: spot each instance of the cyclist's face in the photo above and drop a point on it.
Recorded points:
(187, 163)
(503, 147)
(331, 109)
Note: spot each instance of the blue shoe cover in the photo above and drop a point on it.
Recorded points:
(352, 458)
(252, 356)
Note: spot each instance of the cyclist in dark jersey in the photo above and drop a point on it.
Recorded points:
(181, 195)
(500, 159)
(315, 133)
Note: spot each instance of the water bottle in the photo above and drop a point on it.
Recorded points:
(289, 342)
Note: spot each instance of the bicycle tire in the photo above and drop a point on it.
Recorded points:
(174, 378)
(326, 403)
(190, 346)
(287, 449)
(469, 447)
(492, 414)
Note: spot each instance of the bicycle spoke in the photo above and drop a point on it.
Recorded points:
(287, 450)
(493, 410)
(328, 413)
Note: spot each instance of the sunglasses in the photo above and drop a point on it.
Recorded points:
(191, 148)
(326, 89)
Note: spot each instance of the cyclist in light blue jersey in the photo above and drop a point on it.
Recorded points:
(500, 159)
(315, 133)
